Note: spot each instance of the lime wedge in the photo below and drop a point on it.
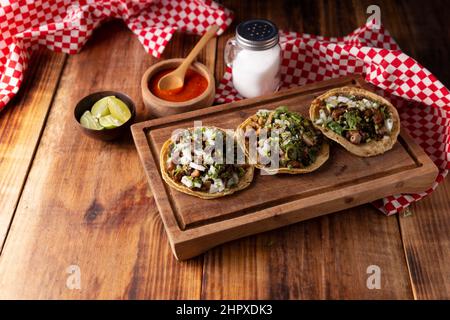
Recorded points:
(100, 108)
(109, 122)
(87, 120)
(119, 109)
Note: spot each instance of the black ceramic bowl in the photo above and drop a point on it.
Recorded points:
(106, 134)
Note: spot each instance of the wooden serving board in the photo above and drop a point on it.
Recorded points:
(194, 225)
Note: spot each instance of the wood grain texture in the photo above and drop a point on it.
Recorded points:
(86, 202)
(426, 239)
(425, 234)
(21, 124)
(325, 257)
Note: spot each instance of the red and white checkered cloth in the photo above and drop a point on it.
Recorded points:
(64, 25)
(422, 100)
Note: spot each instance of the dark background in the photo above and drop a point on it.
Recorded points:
(421, 28)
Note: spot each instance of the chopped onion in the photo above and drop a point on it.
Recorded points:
(262, 112)
(343, 99)
(187, 181)
(210, 134)
(208, 159)
(389, 123)
(197, 185)
(331, 100)
(212, 170)
(197, 166)
(185, 159)
(217, 186)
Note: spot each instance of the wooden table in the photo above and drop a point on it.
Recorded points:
(68, 200)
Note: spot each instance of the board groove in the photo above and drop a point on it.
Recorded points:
(256, 208)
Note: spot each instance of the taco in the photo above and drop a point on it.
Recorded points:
(301, 147)
(362, 122)
(193, 162)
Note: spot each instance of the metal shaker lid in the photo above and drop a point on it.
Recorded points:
(257, 34)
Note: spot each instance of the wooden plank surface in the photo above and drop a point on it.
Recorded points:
(21, 124)
(322, 258)
(426, 233)
(426, 238)
(86, 202)
(102, 217)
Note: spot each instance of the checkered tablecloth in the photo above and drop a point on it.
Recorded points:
(64, 25)
(422, 100)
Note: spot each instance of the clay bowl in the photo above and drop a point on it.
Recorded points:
(159, 107)
(106, 134)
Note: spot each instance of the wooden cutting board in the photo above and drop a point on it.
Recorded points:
(194, 225)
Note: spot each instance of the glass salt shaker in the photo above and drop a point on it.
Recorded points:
(254, 56)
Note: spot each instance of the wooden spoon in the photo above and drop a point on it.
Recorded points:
(175, 79)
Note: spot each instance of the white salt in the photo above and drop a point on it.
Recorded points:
(256, 73)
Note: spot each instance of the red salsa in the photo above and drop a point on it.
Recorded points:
(194, 85)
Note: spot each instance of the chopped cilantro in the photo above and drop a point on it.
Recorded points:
(336, 127)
